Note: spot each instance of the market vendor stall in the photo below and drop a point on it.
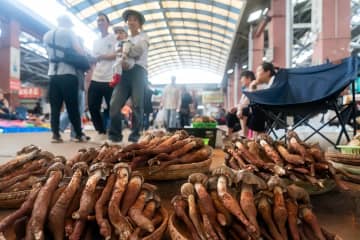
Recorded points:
(305, 92)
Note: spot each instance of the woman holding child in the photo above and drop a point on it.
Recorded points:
(133, 80)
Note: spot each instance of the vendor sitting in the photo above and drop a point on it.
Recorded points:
(243, 111)
(265, 74)
(4, 108)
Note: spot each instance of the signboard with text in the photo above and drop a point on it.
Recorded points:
(15, 84)
(212, 97)
(30, 92)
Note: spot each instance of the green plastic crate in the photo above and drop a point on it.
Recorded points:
(206, 141)
(345, 149)
(204, 125)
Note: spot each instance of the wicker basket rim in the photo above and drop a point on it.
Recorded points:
(161, 229)
(173, 229)
(341, 155)
(348, 146)
(178, 171)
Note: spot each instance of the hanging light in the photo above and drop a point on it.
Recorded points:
(254, 16)
(265, 12)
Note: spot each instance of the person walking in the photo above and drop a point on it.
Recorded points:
(184, 110)
(63, 86)
(133, 81)
(170, 103)
(148, 106)
(104, 52)
(64, 116)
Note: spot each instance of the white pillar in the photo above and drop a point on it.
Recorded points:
(250, 48)
(236, 83)
(289, 32)
(228, 95)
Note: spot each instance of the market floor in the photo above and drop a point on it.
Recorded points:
(336, 210)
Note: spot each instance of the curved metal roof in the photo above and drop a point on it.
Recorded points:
(183, 34)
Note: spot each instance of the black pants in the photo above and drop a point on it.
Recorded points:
(98, 90)
(64, 88)
(232, 122)
(257, 119)
(184, 119)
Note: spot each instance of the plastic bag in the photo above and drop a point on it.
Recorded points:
(160, 119)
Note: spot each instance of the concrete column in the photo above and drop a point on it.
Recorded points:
(257, 51)
(331, 23)
(236, 83)
(10, 60)
(289, 33)
(230, 92)
(277, 38)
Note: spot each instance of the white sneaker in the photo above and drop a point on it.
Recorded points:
(99, 138)
(119, 143)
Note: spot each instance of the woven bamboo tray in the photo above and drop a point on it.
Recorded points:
(10, 200)
(177, 171)
(159, 232)
(343, 158)
(176, 229)
(347, 167)
(329, 185)
(13, 199)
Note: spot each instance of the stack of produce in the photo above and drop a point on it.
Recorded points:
(26, 169)
(82, 199)
(355, 141)
(348, 161)
(296, 161)
(240, 205)
(162, 150)
(204, 119)
(204, 122)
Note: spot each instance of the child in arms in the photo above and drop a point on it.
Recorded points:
(122, 51)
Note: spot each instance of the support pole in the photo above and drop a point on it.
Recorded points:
(228, 94)
(250, 48)
(236, 83)
(289, 32)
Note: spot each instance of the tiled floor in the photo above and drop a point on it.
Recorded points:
(336, 210)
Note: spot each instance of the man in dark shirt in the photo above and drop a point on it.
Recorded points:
(184, 110)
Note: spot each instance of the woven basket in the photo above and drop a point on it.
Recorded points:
(177, 171)
(346, 149)
(342, 158)
(13, 199)
(159, 232)
(329, 185)
(177, 230)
